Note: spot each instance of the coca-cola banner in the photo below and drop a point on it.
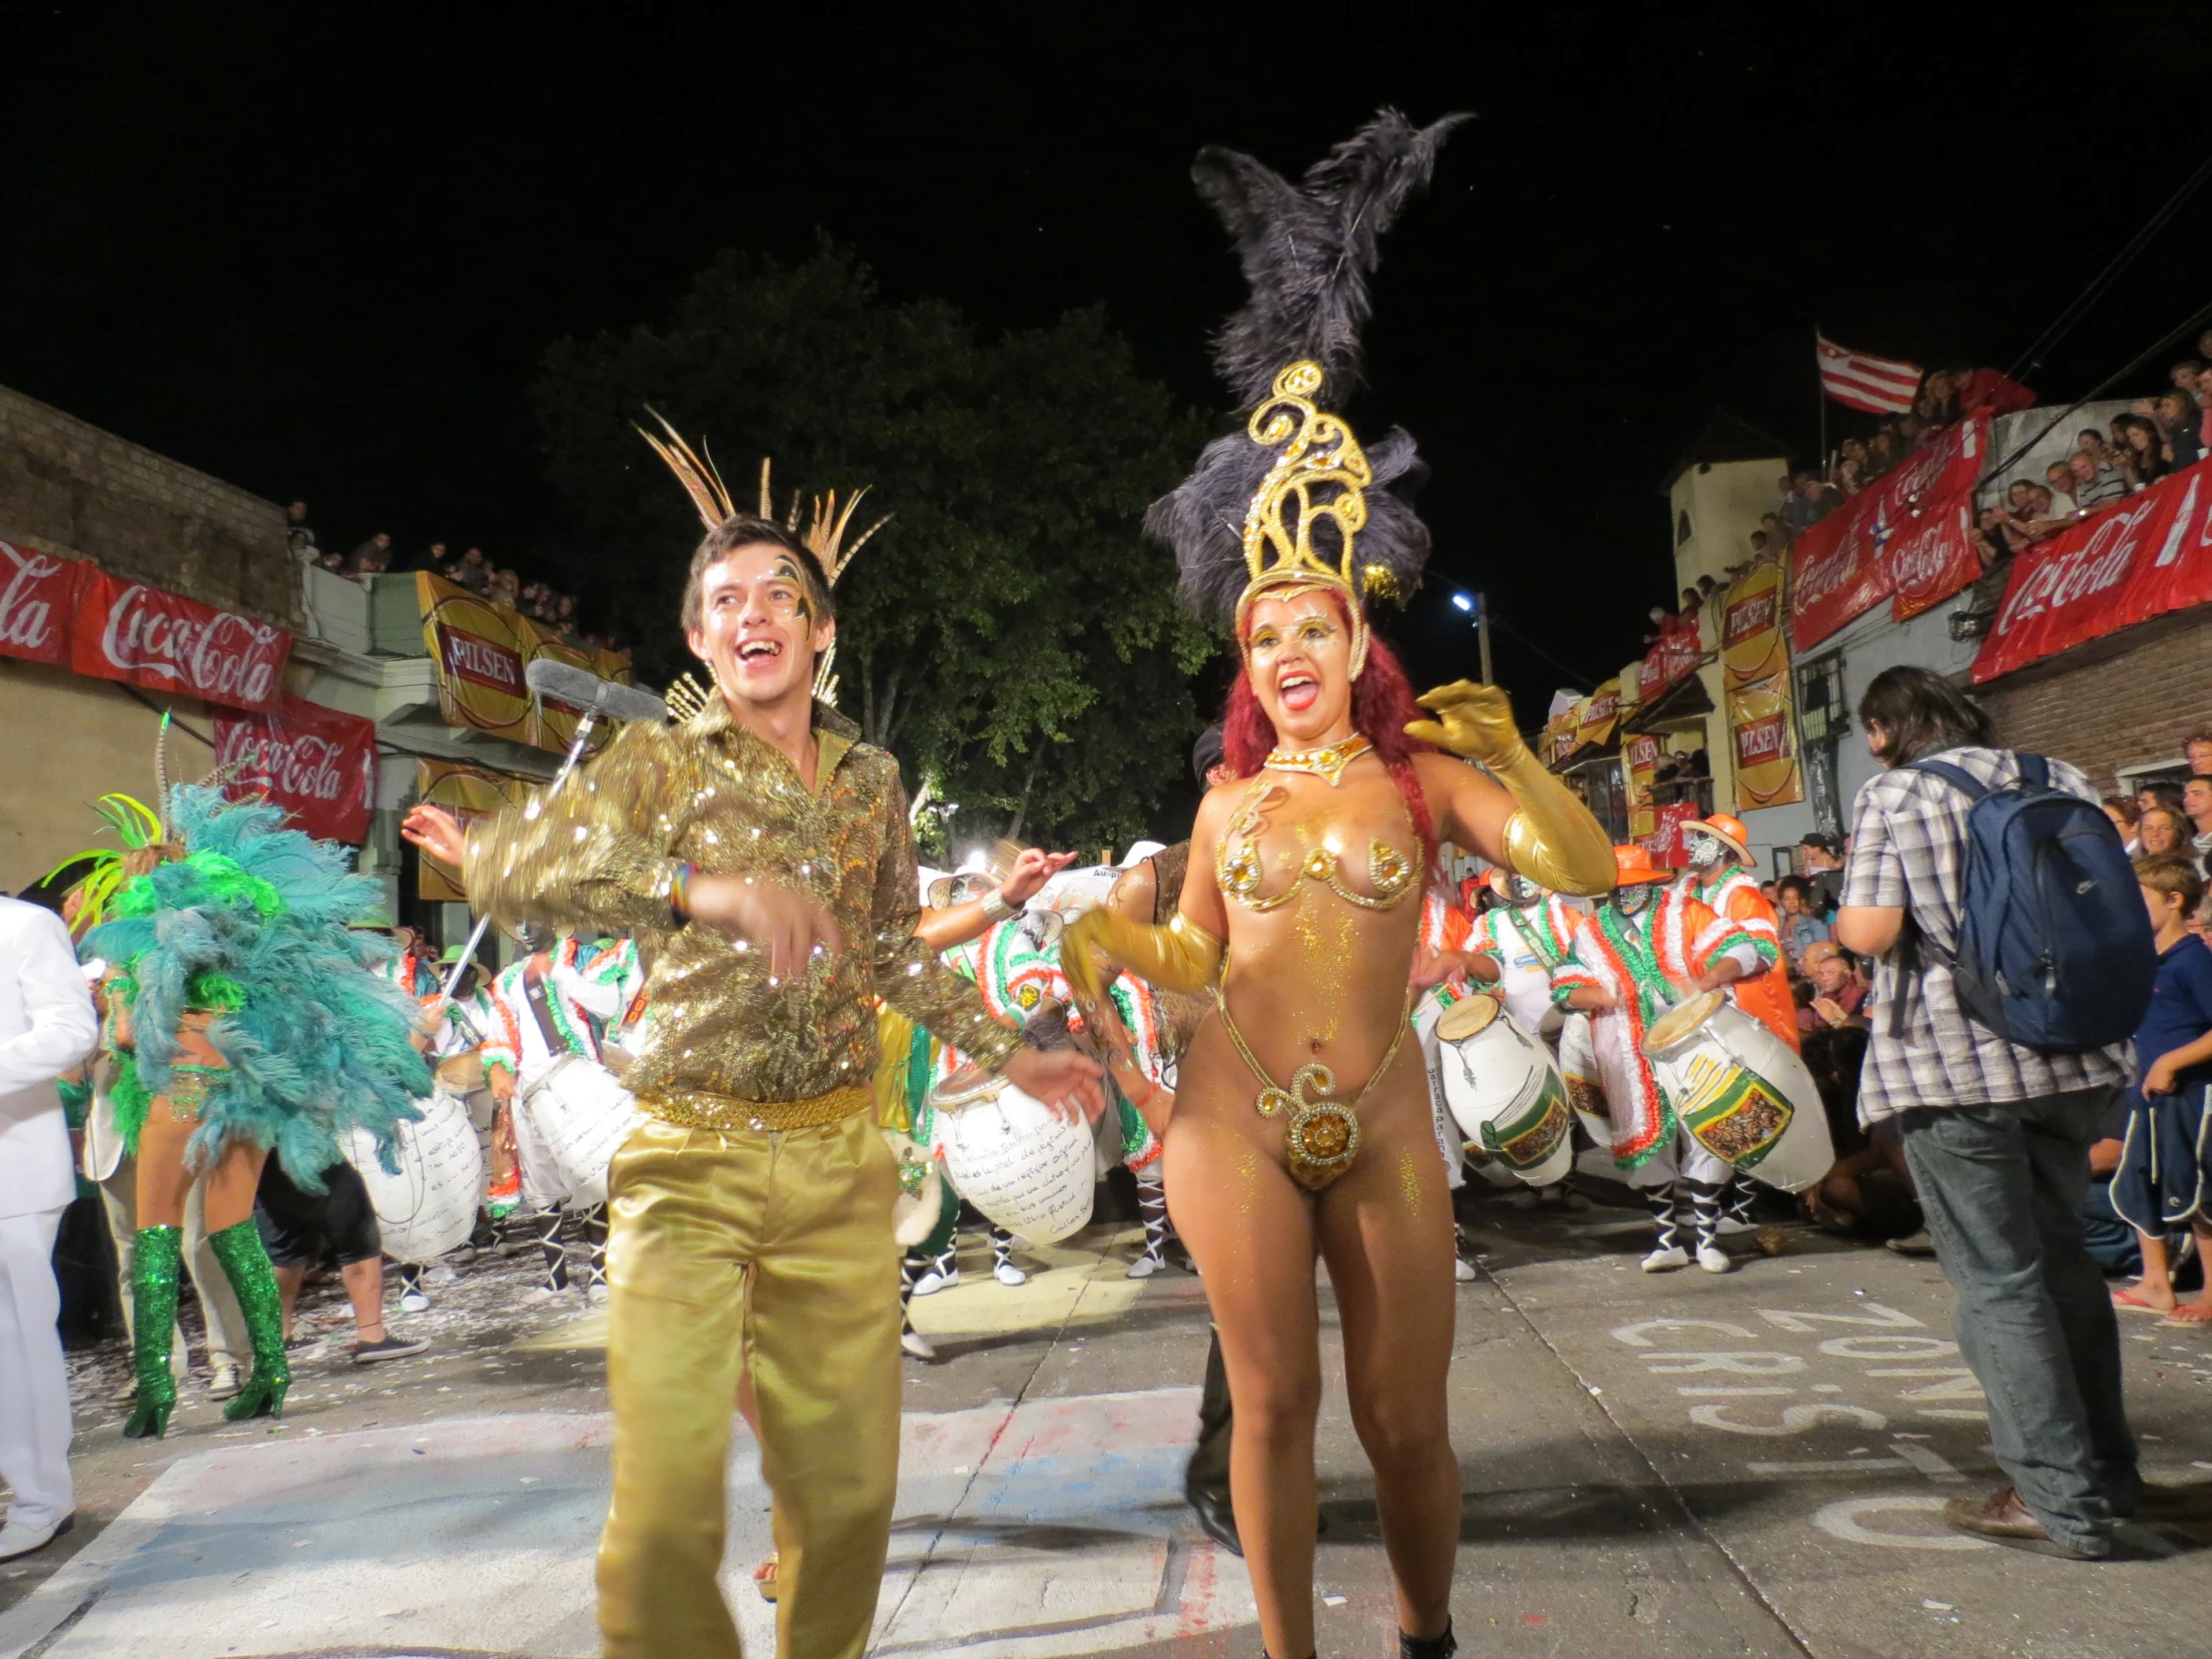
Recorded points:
(2141, 558)
(38, 603)
(1674, 657)
(1840, 567)
(316, 763)
(128, 631)
(1934, 559)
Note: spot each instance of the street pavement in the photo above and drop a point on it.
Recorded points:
(1684, 1465)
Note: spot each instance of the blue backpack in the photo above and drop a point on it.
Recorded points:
(2054, 946)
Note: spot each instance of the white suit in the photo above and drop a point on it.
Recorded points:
(46, 1026)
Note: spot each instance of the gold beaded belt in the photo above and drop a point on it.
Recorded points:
(697, 1109)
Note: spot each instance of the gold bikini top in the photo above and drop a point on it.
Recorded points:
(1391, 872)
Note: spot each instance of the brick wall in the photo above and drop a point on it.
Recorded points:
(70, 488)
(2129, 701)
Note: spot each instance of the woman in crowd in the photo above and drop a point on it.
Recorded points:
(2159, 833)
(2141, 450)
(1800, 928)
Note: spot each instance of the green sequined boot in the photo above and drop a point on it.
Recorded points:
(156, 1257)
(246, 1264)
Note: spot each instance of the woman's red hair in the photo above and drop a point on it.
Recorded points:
(1382, 705)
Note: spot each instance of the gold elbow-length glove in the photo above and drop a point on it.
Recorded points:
(1181, 957)
(1551, 839)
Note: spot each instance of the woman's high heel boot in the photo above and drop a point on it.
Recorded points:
(246, 1264)
(156, 1257)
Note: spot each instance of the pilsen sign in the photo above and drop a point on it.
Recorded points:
(69, 613)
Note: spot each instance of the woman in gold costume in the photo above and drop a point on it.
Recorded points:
(1302, 1119)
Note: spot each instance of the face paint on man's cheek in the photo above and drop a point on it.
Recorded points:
(1705, 851)
(1633, 897)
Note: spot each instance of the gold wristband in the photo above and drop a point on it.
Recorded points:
(1552, 838)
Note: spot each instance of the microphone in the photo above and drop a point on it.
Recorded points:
(580, 689)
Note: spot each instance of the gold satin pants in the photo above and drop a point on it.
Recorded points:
(773, 1246)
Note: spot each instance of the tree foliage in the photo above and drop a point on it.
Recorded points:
(1009, 635)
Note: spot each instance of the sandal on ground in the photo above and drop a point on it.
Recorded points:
(2190, 1313)
(2128, 1302)
(764, 1576)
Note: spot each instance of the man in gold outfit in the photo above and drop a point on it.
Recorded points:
(763, 853)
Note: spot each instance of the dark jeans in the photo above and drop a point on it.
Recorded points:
(2001, 1187)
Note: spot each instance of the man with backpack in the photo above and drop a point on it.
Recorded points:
(2014, 961)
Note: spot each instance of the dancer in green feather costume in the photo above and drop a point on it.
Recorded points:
(246, 1022)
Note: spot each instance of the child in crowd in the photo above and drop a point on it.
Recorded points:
(2165, 1176)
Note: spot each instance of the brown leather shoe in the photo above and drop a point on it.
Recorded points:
(2004, 1518)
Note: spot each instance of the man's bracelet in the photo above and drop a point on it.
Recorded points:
(995, 908)
(679, 891)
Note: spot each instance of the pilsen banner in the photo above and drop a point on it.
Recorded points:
(468, 792)
(1845, 565)
(482, 650)
(1755, 664)
(316, 763)
(2142, 558)
(1639, 767)
(69, 613)
(1595, 714)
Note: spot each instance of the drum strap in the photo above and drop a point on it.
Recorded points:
(533, 989)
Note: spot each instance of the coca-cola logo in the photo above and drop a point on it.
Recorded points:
(473, 658)
(1760, 741)
(224, 657)
(1922, 561)
(298, 766)
(2101, 562)
(1747, 616)
(25, 614)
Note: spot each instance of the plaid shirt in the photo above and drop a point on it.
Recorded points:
(1909, 841)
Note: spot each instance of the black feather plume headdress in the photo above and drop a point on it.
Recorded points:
(1293, 497)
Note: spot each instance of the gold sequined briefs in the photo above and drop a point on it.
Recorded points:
(602, 851)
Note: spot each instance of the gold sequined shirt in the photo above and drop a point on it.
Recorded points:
(602, 851)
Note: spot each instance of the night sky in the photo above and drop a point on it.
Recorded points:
(323, 263)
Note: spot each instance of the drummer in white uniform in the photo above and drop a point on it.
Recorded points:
(455, 1032)
(544, 1003)
(1633, 959)
(1517, 943)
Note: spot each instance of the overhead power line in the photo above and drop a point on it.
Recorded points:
(2085, 302)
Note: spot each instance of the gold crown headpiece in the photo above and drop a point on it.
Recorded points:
(1321, 477)
(824, 536)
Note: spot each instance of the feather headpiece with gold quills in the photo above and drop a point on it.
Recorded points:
(824, 537)
(1291, 498)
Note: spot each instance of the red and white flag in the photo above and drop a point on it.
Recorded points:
(1880, 386)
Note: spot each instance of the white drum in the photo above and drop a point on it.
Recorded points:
(1504, 1090)
(1072, 891)
(1742, 1092)
(1013, 1157)
(429, 1207)
(581, 1116)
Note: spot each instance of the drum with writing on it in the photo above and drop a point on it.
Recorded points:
(1504, 1090)
(429, 1207)
(582, 1115)
(1742, 1092)
(1025, 1167)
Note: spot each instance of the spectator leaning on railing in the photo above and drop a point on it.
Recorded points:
(1997, 1135)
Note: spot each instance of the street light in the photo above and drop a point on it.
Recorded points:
(1480, 610)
